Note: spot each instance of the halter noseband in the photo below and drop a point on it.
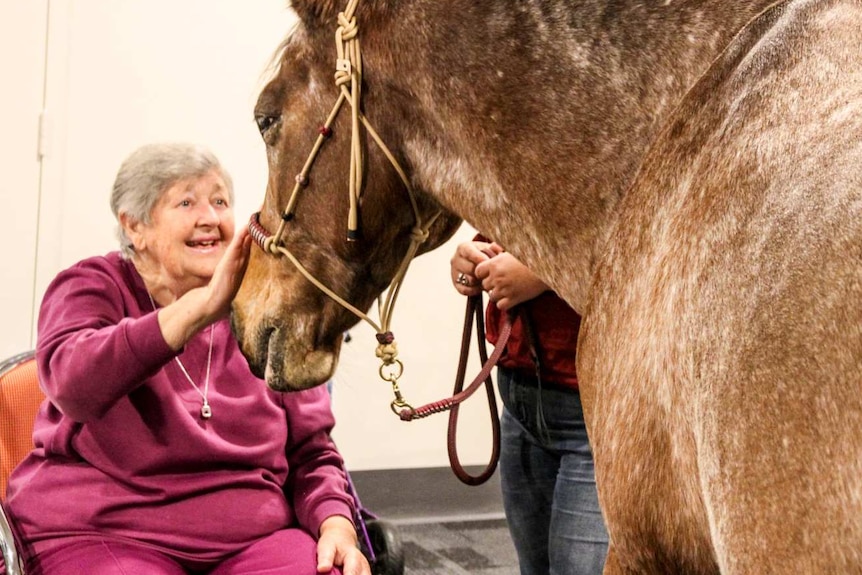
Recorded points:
(348, 78)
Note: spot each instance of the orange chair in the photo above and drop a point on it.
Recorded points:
(20, 397)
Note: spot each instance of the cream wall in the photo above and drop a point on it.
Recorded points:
(22, 67)
(106, 76)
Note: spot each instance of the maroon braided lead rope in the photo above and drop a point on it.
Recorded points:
(475, 309)
(460, 395)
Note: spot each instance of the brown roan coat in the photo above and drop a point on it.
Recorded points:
(687, 174)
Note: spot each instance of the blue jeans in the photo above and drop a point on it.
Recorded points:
(549, 486)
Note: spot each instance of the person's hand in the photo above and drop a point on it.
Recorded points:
(337, 545)
(200, 307)
(463, 265)
(229, 272)
(508, 281)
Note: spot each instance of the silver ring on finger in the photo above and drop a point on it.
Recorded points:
(462, 279)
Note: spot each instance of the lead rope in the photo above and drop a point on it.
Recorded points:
(474, 311)
(477, 310)
(349, 73)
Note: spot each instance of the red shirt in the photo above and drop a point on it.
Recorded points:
(555, 325)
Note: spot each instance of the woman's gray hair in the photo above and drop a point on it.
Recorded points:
(151, 170)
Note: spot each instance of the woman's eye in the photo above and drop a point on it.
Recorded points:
(185, 203)
(220, 202)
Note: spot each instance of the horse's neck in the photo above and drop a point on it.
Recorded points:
(541, 114)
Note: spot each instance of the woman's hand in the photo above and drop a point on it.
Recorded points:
(200, 307)
(463, 266)
(508, 281)
(228, 274)
(337, 545)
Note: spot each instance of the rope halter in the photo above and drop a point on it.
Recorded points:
(348, 80)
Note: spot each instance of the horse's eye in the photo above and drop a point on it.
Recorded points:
(265, 122)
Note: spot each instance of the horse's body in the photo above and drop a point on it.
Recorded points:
(688, 175)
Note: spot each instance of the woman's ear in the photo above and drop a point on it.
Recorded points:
(134, 230)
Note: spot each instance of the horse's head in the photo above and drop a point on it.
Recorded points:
(287, 327)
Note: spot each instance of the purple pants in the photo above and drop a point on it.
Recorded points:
(287, 552)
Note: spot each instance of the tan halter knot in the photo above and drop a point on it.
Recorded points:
(387, 349)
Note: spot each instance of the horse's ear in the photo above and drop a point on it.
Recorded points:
(313, 12)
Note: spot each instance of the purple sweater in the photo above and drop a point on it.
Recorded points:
(121, 450)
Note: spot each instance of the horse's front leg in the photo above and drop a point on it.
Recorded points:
(612, 563)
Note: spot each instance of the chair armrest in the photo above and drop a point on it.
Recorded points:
(14, 563)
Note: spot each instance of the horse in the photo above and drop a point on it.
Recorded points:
(687, 175)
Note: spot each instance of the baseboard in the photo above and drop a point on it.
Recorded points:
(427, 494)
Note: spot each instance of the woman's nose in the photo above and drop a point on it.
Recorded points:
(208, 215)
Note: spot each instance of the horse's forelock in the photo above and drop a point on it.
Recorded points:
(313, 12)
(278, 54)
(317, 13)
(294, 38)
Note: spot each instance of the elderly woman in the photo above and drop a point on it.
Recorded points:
(157, 451)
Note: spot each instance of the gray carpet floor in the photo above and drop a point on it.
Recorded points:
(445, 527)
(480, 547)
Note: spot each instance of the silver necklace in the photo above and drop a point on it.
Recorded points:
(206, 410)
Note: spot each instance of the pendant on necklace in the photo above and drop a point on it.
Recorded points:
(206, 412)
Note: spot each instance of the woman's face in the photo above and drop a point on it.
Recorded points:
(189, 230)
